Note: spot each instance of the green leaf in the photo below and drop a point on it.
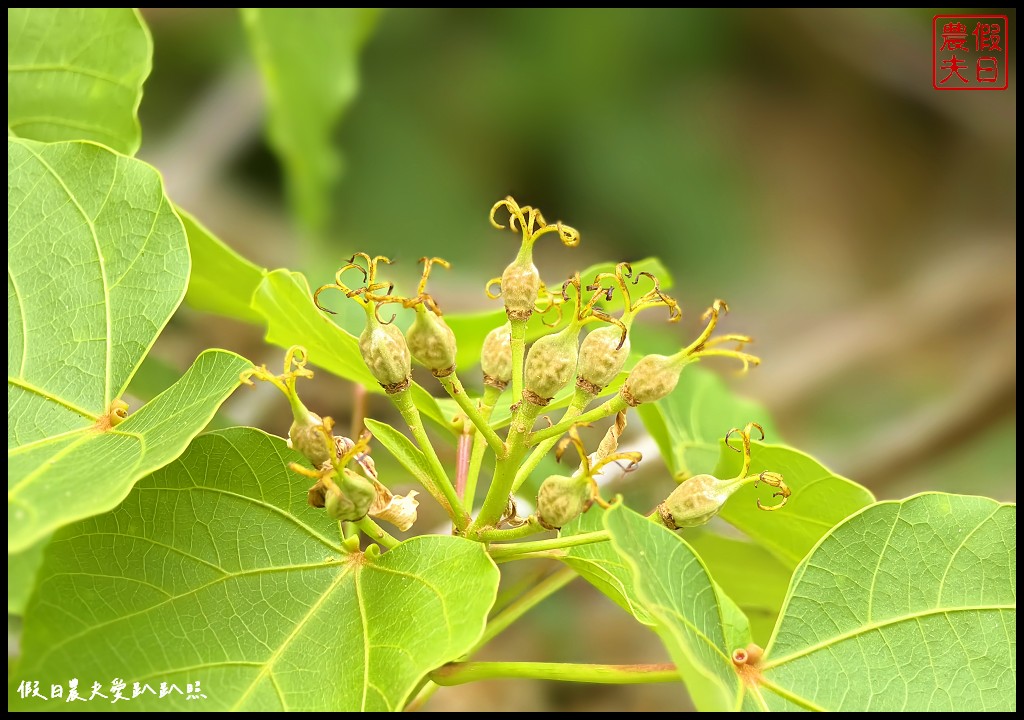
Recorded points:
(747, 573)
(308, 58)
(905, 606)
(408, 455)
(222, 281)
(602, 566)
(245, 588)
(820, 500)
(285, 302)
(697, 622)
(57, 479)
(97, 263)
(22, 569)
(690, 423)
(77, 74)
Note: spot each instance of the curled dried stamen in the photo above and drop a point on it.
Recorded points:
(775, 480)
(745, 450)
(531, 223)
(487, 288)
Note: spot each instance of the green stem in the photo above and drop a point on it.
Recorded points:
(532, 526)
(609, 407)
(449, 500)
(504, 470)
(376, 533)
(454, 387)
(504, 551)
(523, 604)
(580, 400)
(459, 673)
(500, 622)
(518, 356)
(476, 458)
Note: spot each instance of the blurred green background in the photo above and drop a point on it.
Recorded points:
(797, 163)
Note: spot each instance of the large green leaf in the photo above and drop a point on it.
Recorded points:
(308, 58)
(97, 263)
(689, 424)
(57, 479)
(905, 606)
(215, 569)
(698, 623)
(820, 500)
(222, 281)
(285, 302)
(77, 74)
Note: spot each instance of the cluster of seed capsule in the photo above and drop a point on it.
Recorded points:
(552, 364)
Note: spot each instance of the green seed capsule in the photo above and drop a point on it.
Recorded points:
(351, 498)
(496, 356)
(601, 358)
(386, 354)
(306, 438)
(562, 499)
(651, 379)
(696, 501)
(431, 342)
(520, 285)
(551, 364)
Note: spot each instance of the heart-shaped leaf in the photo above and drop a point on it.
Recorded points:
(215, 569)
(97, 263)
(77, 74)
(905, 606)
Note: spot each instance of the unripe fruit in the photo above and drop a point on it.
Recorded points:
(496, 356)
(696, 501)
(350, 500)
(307, 438)
(601, 358)
(562, 499)
(520, 285)
(431, 342)
(386, 354)
(551, 364)
(651, 379)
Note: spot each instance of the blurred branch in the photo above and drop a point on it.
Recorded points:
(891, 47)
(987, 394)
(219, 125)
(975, 282)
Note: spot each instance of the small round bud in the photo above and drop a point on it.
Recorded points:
(696, 501)
(520, 285)
(351, 498)
(562, 499)
(431, 342)
(551, 364)
(307, 438)
(651, 379)
(496, 356)
(386, 354)
(601, 358)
